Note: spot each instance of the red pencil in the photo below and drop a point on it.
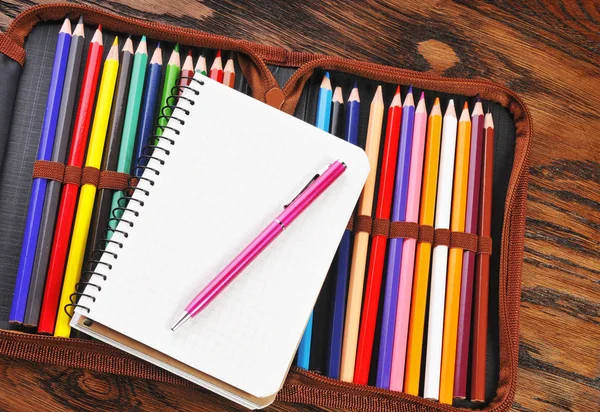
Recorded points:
(379, 243)
(216, 70)
(68, 200)
(187, 71)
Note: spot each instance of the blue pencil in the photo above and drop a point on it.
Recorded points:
(390, 298)
(323, 121)
(343, 252)
(148, 109)
(38, 186)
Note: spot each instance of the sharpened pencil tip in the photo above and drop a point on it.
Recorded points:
(337, 95)
(66, 26)
(327, 75)
(397, 90)
(466, 106)
(422, 96)
(355, 84)
(99, 27)
(410, 89)
(158, 45)
(143, 38)
(176, 48)
(326, 82)
(189, 53)
(80, 21)
(218, 53)
(116, 41)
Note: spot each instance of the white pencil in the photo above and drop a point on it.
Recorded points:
(439, 264)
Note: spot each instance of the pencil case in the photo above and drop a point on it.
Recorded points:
(289, 81)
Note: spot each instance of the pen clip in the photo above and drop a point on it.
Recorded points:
(310, 182)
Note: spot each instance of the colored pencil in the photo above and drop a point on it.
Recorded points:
(88, 191)
(414, 349)
(439, 260)
(68, 199)
(482, 268)
(187, 71)
(38, 186)
(147, 111)
(457, 224)
(216, 70)
(323, 122)
(110, 158)
(378, 243)
(361, 242)
(59, 153)
(229, 73)
(390, 297)
(201, 65)
(408, 250)
(171, 76)
(130, 124)
(324, 307)
(343, 254)
(468, 260)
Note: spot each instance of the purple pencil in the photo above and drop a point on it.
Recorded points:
(390, 297)
(468, 266)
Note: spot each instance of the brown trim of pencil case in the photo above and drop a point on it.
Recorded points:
(301, 386)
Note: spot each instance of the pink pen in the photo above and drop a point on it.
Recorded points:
(318, 184)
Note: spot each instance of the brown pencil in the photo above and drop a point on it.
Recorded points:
(482, 267)
(229, 73)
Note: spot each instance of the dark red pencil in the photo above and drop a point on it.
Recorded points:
(68, 200)
(216, 70)
(187, 71)
(468, 265)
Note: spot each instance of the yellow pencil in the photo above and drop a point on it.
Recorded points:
(423, 255)
(88, 192)
(457, 224)
(361, 243)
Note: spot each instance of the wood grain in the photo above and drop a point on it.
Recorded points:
(548, 52)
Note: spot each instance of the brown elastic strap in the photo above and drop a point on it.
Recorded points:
(45, 169)
(362, 223)
(441, 237)
(381, 227)
(72, 175)
(484, 245)
(90, 176)
(407, 230)
(113, 180)
(426, 234)
(350, 224)
(462, 240)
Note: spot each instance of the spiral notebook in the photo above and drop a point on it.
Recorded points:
(233, 165)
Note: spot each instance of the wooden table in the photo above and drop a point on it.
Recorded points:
(548, 54)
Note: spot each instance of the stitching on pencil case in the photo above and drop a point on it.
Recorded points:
(72, 175)
(46, 169)
(113, 180)
(406, 230)
(90, 176)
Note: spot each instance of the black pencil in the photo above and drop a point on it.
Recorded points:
(323, 307)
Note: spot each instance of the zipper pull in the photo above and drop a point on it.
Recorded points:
(275, 98)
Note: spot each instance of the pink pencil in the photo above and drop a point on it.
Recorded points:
(408, 251)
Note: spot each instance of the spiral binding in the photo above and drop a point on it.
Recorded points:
(151, 151)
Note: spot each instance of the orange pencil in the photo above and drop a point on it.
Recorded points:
(457, 224)
(423, 254)
(229, 73)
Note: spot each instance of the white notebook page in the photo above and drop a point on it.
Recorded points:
(234, 165)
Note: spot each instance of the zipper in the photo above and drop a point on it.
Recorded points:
(108, 19)
(23, 23)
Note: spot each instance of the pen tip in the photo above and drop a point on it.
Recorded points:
(184, 318)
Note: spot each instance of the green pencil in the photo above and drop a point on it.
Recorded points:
(171, 76)
(132, 112)
(201, 65)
